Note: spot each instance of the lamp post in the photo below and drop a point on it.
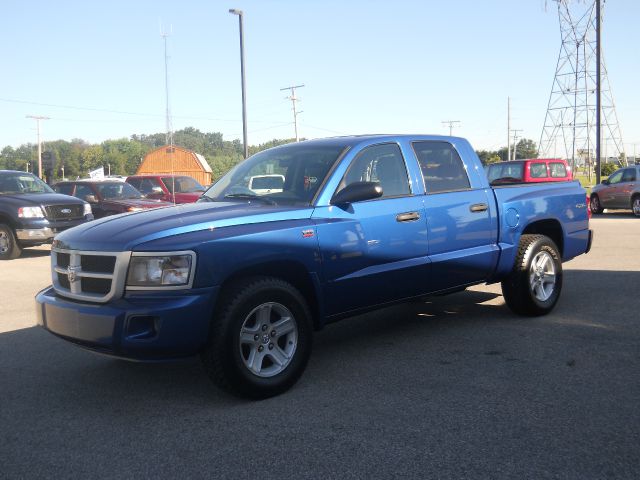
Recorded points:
(239, 13)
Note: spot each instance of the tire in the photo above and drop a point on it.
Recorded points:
(595, 205)
(533, 287)
(9, 248)
(247, 355)
(635, 205)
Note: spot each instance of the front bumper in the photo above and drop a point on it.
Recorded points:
(147, 326)
(35, 234)
(36, 231)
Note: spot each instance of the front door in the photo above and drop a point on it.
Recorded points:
(374, 251)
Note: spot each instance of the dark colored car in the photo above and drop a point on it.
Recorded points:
(31, 213)
(169, 188)
(620, 191)
(109, 197)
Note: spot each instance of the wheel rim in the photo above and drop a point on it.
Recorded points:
(542, 276)
(268, 339)
(4, 242)
(595, 204)
(636, 207)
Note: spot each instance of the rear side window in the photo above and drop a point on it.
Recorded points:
(558, 170)
(383, 164)
(538, 170)
(442, 167)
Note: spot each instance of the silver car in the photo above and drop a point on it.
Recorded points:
(620, 190)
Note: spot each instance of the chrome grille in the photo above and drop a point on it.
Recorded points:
(89, 276)
(64, 212)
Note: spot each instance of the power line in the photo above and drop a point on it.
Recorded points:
(451, 123)
(294, 99)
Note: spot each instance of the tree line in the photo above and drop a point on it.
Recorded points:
(123, 156)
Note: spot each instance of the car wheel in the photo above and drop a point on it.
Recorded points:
(595, 205)
(533, 286)
(9, 248)
(260, 339)
(635, 205)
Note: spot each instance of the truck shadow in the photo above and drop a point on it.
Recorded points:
(35, 252)
(36, 365)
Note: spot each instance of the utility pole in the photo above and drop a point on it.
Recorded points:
(37, 118)
(240, 14)
(451, 123)
(515, 141)
(598, 90)
(168, 134)
(294, 99)
(508, 128)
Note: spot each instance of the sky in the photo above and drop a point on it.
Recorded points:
(96, 68)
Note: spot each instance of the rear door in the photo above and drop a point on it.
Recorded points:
(374, 251)
(627, 186)
(461, 233)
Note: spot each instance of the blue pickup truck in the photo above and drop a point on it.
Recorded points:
(244, 278)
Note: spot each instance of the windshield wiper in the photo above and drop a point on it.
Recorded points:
(250, 196)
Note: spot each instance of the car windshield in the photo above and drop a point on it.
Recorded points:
(12, 183)
(183, 184)
(118, 191)
(291, 174)
(505, 172)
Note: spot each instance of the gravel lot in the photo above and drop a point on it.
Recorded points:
(455, 387)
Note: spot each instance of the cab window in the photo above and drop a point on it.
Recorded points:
(538, 170)
(558, 170)
(442, 167)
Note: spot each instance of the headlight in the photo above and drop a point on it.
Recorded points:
(30, 212)
(87, 209)
(161, 270)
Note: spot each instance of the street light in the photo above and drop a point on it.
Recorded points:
(235, 11)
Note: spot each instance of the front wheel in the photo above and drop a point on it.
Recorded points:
(533, 286)
(9, 248)
(260, 338)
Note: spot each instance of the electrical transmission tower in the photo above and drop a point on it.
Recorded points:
(571, 123)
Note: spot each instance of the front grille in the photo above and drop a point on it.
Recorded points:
(64, 212)
(89, 276)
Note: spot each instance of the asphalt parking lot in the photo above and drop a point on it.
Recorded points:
(453, 387)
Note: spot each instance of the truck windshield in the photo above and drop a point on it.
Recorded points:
(118, 191)
(183, 184)
(291, 174)
(13, 183)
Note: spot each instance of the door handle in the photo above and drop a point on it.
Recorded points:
(479, 207)
(407, 217)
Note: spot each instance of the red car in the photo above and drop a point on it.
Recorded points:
(108, 197)
(161, 187)
(529, 170)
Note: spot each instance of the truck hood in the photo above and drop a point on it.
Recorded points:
(123, 232)
(32, 199)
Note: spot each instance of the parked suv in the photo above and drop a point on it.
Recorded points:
(620, 191)
(529, 170)
(109, 197)
(161, 187)
(31, 213)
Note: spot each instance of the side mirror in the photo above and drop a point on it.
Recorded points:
(357, 192)
(91, 198)
(605, 182)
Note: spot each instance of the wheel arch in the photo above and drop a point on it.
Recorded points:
(7, 220)
(550, 228)
(291, 272)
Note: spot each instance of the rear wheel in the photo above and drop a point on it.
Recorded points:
(9, 248)
(534, 285)
(595, 205)
(635, 205)
(260, 338)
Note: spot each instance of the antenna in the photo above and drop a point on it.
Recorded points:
(294, 99)
(169, 134)
(581, 101)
